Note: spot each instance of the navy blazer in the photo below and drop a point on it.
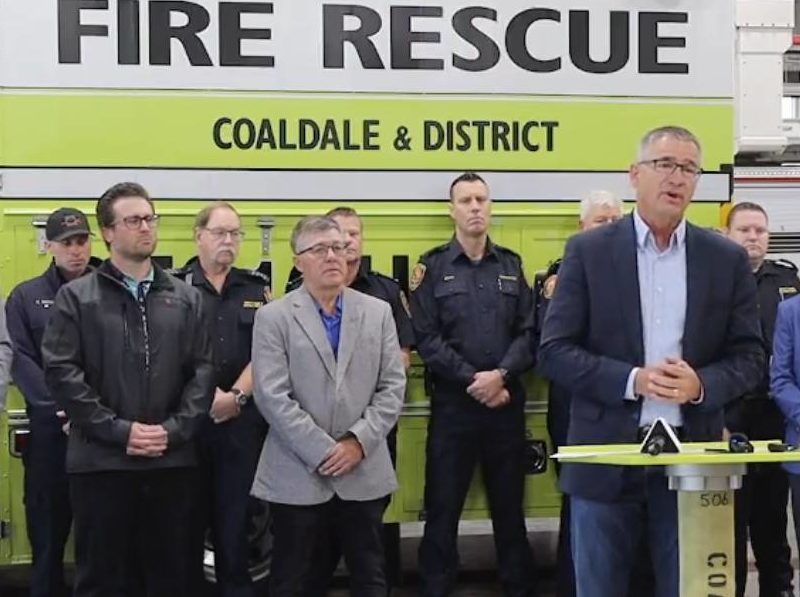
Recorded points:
(592, 338)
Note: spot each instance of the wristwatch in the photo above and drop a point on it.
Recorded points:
(241, 397)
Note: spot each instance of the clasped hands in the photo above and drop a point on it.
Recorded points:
(488, 388)
(672, 380)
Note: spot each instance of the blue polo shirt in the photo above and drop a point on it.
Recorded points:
(332, 324)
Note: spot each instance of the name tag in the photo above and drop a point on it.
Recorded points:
(44, 303)
(252, 304)
(787, 291)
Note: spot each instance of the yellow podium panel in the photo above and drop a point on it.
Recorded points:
(704, 475)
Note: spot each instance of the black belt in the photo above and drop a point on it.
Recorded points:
(643, 431)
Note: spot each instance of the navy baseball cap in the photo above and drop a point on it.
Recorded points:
(65, 223)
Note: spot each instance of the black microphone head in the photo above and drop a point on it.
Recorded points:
(655, 445)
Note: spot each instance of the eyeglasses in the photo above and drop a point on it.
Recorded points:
(667, 166)
(135, 222)
(320, 250)
(221, 233)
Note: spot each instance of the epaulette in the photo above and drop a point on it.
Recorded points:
(383, 277)
(508, 251)
(786, 264)
(552, 269)
(254, 273)
(434, 251)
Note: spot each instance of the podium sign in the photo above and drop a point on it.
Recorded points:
(705, 476)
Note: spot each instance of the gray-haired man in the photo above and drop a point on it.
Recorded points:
(325, 467)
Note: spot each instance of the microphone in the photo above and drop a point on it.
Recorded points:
(655, 445)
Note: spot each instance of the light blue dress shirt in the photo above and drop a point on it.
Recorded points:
(662, 295)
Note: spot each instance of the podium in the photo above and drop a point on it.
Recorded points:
(705, 476)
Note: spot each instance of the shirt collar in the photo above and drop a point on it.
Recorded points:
(644, 234)
(338, 312)
(455, 249)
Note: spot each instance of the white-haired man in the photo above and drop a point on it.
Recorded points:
(597, 209)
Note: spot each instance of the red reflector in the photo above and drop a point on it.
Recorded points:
(19, 441)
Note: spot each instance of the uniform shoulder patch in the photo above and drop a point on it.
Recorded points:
(549, 286)
(417, 275)
(785, 263)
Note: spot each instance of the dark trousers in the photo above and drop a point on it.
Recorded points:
(455, 446)
(297, 531)
(47, 508)
(228, 455)
(132, 532)
(607, 538)
(760, 505)
(331, 549)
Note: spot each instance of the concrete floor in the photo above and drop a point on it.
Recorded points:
(477, 557)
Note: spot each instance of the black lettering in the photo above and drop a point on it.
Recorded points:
(128, 32)
(348, 142)
(433, 135)
(249, 129)
(500, 132)
(330, 136)
(650, 42)
(335, 36)
(515, 40)
(550, 127)
(461, 130)
(231, 34)
(488, 52)
(284, 142)
(218, 133)
(403, 37)
(481, 125)
(70, 29)
(371, 134)
(161, 32)
(266, 136)
(718, 580)
(526, 133)
(722, 557)
(309, 133)
(619, 51)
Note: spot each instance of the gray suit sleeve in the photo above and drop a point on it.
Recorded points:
(387, 400)
(6, 354)
(272, 391)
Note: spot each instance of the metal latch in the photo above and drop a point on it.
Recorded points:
(266, 224)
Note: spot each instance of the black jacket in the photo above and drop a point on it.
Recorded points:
(109, 363)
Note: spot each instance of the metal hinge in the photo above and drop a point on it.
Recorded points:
(5, 529)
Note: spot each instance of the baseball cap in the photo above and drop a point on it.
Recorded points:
(66, 222)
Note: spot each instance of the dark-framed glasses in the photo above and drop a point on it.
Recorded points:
(667, 166)
(320, 250)
(135, 222)
(221, 233)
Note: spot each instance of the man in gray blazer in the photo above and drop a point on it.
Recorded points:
(325, 467)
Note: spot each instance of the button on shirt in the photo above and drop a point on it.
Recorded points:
(662, 294)
(332, 324)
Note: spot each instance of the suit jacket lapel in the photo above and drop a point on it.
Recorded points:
(352, 319)
(626, 272)
(307, 315)
(696, 292)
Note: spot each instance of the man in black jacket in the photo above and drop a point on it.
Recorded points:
(128, 357)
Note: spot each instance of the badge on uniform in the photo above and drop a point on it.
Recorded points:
(787, 292)
(44, 303)
(549, 286)
(417, 276)
(252, 304)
